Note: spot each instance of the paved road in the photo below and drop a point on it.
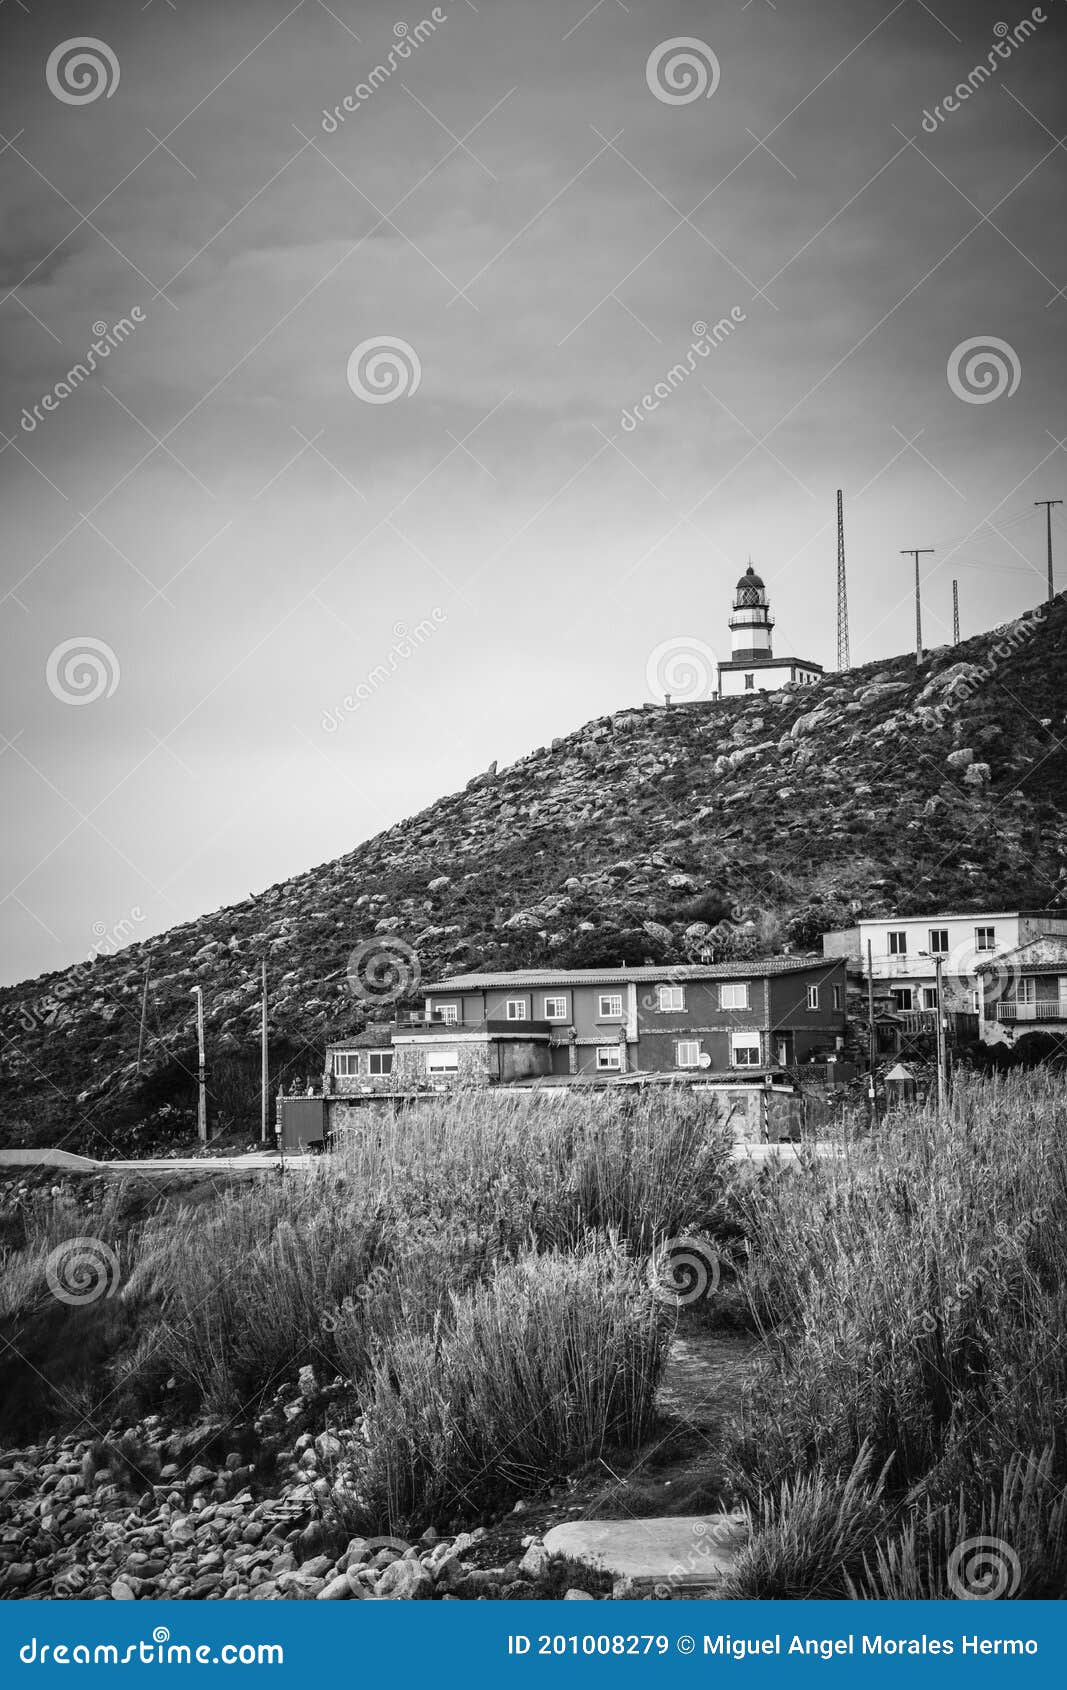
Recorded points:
(269, 1161)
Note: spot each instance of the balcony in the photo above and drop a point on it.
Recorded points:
(1048, 1009)
(435, 1024)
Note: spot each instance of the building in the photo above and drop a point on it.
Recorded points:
(753, 666)
(771, 1013)
(907, 951)
(745, 1031)
(1024, 991)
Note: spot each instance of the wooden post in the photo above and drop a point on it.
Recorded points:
(940, 1036)
(264, 1068)
(144, 1016)
(201, 1083)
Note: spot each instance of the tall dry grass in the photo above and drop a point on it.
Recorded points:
(550, 1361)
(409, 1211)
(912, 1295)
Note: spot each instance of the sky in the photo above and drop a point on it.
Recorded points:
(266, 593)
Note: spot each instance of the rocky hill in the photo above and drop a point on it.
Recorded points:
(655, 834)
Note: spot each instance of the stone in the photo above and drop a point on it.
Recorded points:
(577, 1596)
(404, 1581)
(336, 1590)
(533, 1561)
(688, 1553)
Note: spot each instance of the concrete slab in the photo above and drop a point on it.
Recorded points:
(685, 1554)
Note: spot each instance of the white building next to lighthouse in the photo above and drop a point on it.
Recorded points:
(753, 666)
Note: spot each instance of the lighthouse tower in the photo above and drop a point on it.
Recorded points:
(753, 666)
(751, 622)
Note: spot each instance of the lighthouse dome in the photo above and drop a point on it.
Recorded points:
(750, 589)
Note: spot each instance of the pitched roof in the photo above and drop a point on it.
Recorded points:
(1047, 950)
(757, 968)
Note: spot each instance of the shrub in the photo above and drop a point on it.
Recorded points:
(811, 1535)
(552, 1360)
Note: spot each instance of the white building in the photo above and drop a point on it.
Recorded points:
(905, 951)
(753, 666)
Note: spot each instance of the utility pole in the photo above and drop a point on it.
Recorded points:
(201, 1084)
(1048, 504)
(871, 1042)
(264, 1071)
(955, 613)
(917, 552)
(842, 591)
(938, 966)
(144, 1016)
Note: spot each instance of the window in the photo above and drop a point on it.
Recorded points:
(744, 1050)
(608, 1056)
(671, 997)
(379, 1062)
(1026, 991)
(898, 943)
(610, 1006)
(903, 997)
(515, 1009)
(837, 997)
(939, 941)
(985, 938)
(813, 997)
(929, 997)
(750, 683)
(688, 1053)
(447, 1012)
(346, 1063)
(556, 1009)
(733, 997)
(976, 1002)
(442, 1061)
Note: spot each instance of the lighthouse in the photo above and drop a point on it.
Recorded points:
(753, 666)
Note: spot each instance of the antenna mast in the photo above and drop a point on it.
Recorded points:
(842, 590)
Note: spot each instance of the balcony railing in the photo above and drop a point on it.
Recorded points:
(1047, 1009)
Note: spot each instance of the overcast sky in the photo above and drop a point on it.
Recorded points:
(235, 532)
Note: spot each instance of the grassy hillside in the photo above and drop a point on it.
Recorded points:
(652, 834)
